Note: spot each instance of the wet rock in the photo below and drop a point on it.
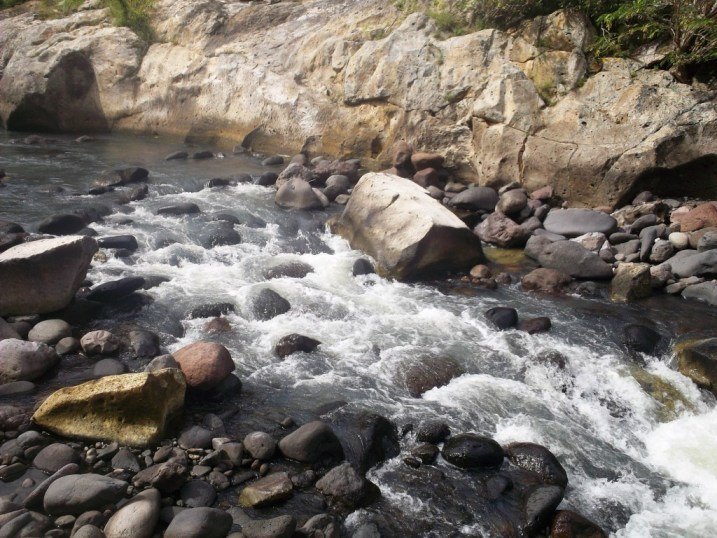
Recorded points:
(292, 269)
(297, 194)
(704, 291)
(100, 343)
(137, 518)
(128, 242)
(430, 372)
(346, 489)
(576, 222)
(124, 459)
(202, 155)
(167, 476)
(432, 241)
(502, 231)
(24, 361)
(187, 208)
(199, 523)
(66, 224)
(574, 260)
(35, 499)
(476, 199)
(311, 443)
(219, 234)
(266, 491)
(294, 343)
(545, 281)
(43, 276)
(75, 494)
(640, 338)
(162, 362)
(132, 409)
(8, 331)
(116, 289)
(697, 359)
(433, 431)
(204, 364)
(468, 451)
(632, 281)
(122, 176)
(362, 267)
(177, 156)
(539, 506)
(569, 524)
(425, 452)
(16, 388)
(211, 310)
(336, 185)
(260, 445)
(538, 460)
(67, 345)
(368, 439)
(196, 493)
(195, 437)
(268, 304)
(144, 343)
(277, 527)
(502, 317)
(50, 331)
(535, 325)
(267, 179)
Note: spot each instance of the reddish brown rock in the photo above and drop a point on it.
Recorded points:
(204, 364)
(700, 217)
(543, 194)
(545, 280)
(569, 524)
(428, 177)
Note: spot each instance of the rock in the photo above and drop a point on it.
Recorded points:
(345, 488)
(699, 264)
(535, 325)
(428, 177)
(187, 208)
(128, 242)
(67, 345)
(432, 431)
(679, 240)
(576, 222)
(89, 531)
(7, 331)
(199, 523)
(167, 476)
(50, 331)
(697, 359)
(144, 343)
(100, 343)
(311, 443)
(702, 216)
(423, 160)
(574, 260)
(34, 500)
(593, 241)
(24, 361)
(297, 194)
(177, 156)
(336, 185)
(503, 318)
(277, 527)
(476, 199)
(197, 493)
(362, 267)
(75, 494)
(293, 269)
(643, 222)
(124, 459)
(545, 281)
(268, 304)
(132, 409)
(54, 457)
(116, 289)
(512, 202)
(295, 343)
(539, 506)
(469, 451)
(274, 160)
(267, 179)
(368, 439)
(661, 251)
(204, 364)
(137, 518)
(500, 230)
(538, 460)
(568, 524)
(16, 388)
(430, 372)
(62, 224)
(162, 362)
(640, 338)
(266, 491)
(26, 525)
(704, 291)
(260, 445)
(43, 276)
(122, 176)
(219, 234)
(426, 453)
(211, 310)
(432, 241)
(632, 281)
(707, 242)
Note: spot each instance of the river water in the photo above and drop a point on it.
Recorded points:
(638, 441)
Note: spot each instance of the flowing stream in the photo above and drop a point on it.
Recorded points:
(638, 440)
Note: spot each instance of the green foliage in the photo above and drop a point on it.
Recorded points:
(5, 4)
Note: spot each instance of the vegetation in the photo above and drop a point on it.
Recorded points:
(687, 27)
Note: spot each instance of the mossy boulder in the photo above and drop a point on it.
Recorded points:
(697, 359)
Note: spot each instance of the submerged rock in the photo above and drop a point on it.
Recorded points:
(408, 233)
(346, 489)
(430, 372)
(43, 276)
(294, 343)
(132, 409)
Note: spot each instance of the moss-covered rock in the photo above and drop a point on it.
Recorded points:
(697, 359)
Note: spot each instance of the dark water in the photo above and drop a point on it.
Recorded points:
(637, 440)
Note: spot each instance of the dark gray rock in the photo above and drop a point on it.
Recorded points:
(294, 343)
(476, 199)
(161, 362)
(195, 437)
(469, 451)
(640, 338)
(311, 443)
(197, 493)
(576, 222)
(137, 518)
(219, 234)
(503, 318)
(211, 310)
(362, 267)
(116, 289)
(428, 372)
(167, 476)
(432, 431)
(107, 367)
(575, 260)
(346, 489)
(75, 494)
(277, 527)
(177, 155)
(187, 208)
(66, 224)
(199, 523)
(268, 304)
(144, 343)
(704, 291)
(535, 325)
(538, 460)
(67, 345)
(368, 439)
(125, 459)
(291, 269)
(267, 179)
(127, 242)
(700, 264)
(50, 331)
(54, 457)
(260, 445)
(34, 501)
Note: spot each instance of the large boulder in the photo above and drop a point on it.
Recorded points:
(137, 518)
(79, 493)
(502, 231)
(368, 439)
(410, 234)
(132, 409)
(577, 222)
(297, 194)
(632, 281)
(697, 359)
(204, 364)
(311, 443)
(24, 361)
(43, 276)
(699, 264)
(575, 260)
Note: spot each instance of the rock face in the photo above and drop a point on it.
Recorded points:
(131, 409)
(482, 97)
(24, 361)
(43, 276)
(410, 235)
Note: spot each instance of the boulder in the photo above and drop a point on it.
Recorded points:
(268, 304)
(294, 343)
(292, 269)
(62, 224)
(470, 451)
(43, 276)
(535, 325)
(575, 260)
(704, 291)
(137, 518)
(362, 267)
(432, 431)
(100, 343)
(24, 361)
(260, 445)
(204, 364)
(266, 491)
(122, 176)
(297, 194)
(219, 234)
(144, 343)
(640, 338)
(311, 443)
(502, 317)
(55, 456)
(50, 331)
(345, 488)
(430, 372)
(538, 460)
(127, 242)
(695, 264)
(545, 280)
(196, 493)
(187, 208)
(195, 437)
(512, 202)
(79, 493)
(569, 524)
(476, 199)
(132, 409)
(502, 231)
(577, 222)
(409, 234)
(368, 439)
(632, 281)
(115, 289)
(697, 359)
(199, 523)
